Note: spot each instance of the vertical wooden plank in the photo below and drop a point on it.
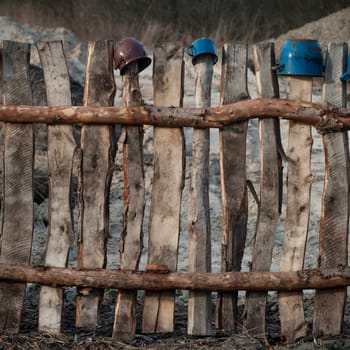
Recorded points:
(233, 179)
(18, 220)
(61, 147)
(134, 202)
(168, 182)
(291, 308)
(267, 86)
(199, 303)
(329, 304)
(95, 178)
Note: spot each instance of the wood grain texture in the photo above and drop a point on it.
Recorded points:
(299, 180)
(233, 180)
(134, 202)
(267, 86)
(97, 155)
(61, 147)
(168, 182)
(18, 155)
(334, 224)
(199, 304)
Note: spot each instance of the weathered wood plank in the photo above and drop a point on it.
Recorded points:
(267, 86)
(299, 180)
(61, 147)
(199, 304)
(97, 155)
(134, 202)
(168, 182)
(18, 220)
(233, 179)
(334, 225)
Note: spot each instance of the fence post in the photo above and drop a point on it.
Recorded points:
(329, 304)
(168, 181)
(97, 158)
(61, 147)
(270, 188)
(199, 303)
(18, 219)
(299, 176)
(134, 202)
(233, 179)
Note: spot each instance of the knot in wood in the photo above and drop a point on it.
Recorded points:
(57, 118)
(329, 123)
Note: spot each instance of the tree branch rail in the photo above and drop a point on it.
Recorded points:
(324, 119)
(163, 280)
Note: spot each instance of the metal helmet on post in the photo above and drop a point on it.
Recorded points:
(301, 57)
(200, 47)
(130, 50)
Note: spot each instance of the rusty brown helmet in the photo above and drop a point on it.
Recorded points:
(130, 50)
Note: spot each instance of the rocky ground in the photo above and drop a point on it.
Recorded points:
(334, 28)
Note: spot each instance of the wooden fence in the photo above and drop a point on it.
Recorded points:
(96, 152)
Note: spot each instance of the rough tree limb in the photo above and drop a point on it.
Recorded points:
(164, 280)
(324, 119)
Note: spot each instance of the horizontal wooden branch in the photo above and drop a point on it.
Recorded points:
(324, 119)
(163, 280)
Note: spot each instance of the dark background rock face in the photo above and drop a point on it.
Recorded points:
(159, 20)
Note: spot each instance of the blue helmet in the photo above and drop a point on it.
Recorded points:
(301, 57)
(202, 46)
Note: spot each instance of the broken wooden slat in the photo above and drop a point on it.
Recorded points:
(233, 179)
(134, 202)
(330, 304)
(18, 219)
(168, 182)
(267, 86)
(199, 303)
(299, 179)
(95, 178)
(61, 147)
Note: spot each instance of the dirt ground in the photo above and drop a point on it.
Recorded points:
(100, 337)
